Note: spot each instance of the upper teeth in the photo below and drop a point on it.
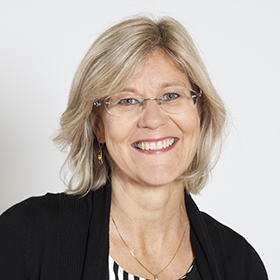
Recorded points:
(155, 145)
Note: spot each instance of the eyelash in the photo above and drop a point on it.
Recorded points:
(172, 93)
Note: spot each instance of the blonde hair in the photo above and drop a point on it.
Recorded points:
(109, 65)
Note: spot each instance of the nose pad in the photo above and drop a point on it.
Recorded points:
(144, 102)
(159, 102)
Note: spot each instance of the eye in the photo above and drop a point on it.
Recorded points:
(170, 96)
(128, 101)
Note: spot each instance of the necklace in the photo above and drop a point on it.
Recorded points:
(157, 274)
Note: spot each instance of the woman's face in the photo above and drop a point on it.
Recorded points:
(152, 127)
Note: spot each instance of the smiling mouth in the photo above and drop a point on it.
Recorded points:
(158, 145)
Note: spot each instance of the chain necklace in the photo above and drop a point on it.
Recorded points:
(157, 274)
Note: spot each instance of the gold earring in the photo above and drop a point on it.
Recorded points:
(99, 154)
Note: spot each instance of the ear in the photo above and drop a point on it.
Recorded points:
(98, 127)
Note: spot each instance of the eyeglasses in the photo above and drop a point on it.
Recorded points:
(127, 104)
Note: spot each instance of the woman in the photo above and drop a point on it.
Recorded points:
(143, 127)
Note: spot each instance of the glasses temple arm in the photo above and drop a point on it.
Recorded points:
(97, 104)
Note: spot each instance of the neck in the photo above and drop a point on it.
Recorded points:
(144, 209)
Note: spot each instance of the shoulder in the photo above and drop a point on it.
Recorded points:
(53, 208)
(31, 208)
(43, 214)
(234, 250)
(221, 248)
(227, 238)
(23, 227)
(224, 234)
(33, 231)
(41, 234)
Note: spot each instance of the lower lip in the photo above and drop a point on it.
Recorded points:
(157, 151)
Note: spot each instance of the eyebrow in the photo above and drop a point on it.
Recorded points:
(128, 89)
(173, 84)
(161, 86)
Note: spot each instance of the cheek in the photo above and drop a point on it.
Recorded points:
(188, 124)
(116, 134)
(111, 128)
(190, 129)
(118, 130)
(112, 137)
(112, 140)
(195, 128)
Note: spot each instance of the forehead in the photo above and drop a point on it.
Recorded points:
(159, 71)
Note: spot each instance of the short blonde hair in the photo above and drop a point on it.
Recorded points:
(113, 60)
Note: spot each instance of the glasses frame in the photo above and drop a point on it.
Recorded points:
(195, 97)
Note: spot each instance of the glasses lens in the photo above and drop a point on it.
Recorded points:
(129, 104)
(123, 104)
(178, 102)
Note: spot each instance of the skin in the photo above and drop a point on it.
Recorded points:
(147, 195)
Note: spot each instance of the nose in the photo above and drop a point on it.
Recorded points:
(152, 116)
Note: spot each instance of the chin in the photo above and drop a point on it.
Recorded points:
(159, 180)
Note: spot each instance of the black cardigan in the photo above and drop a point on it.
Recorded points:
(58, 236)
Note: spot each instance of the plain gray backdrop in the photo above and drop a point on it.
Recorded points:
(41, 45)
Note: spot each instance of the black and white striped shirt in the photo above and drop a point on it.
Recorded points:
(117, 273)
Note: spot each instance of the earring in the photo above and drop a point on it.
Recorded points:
(99, 154)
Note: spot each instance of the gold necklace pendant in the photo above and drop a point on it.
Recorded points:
(155, 277)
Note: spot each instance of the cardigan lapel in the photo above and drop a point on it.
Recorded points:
(201, 243)
(96, 261)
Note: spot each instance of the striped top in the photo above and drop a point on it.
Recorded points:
(117, 273)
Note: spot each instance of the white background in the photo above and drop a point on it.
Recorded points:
(41, 44)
